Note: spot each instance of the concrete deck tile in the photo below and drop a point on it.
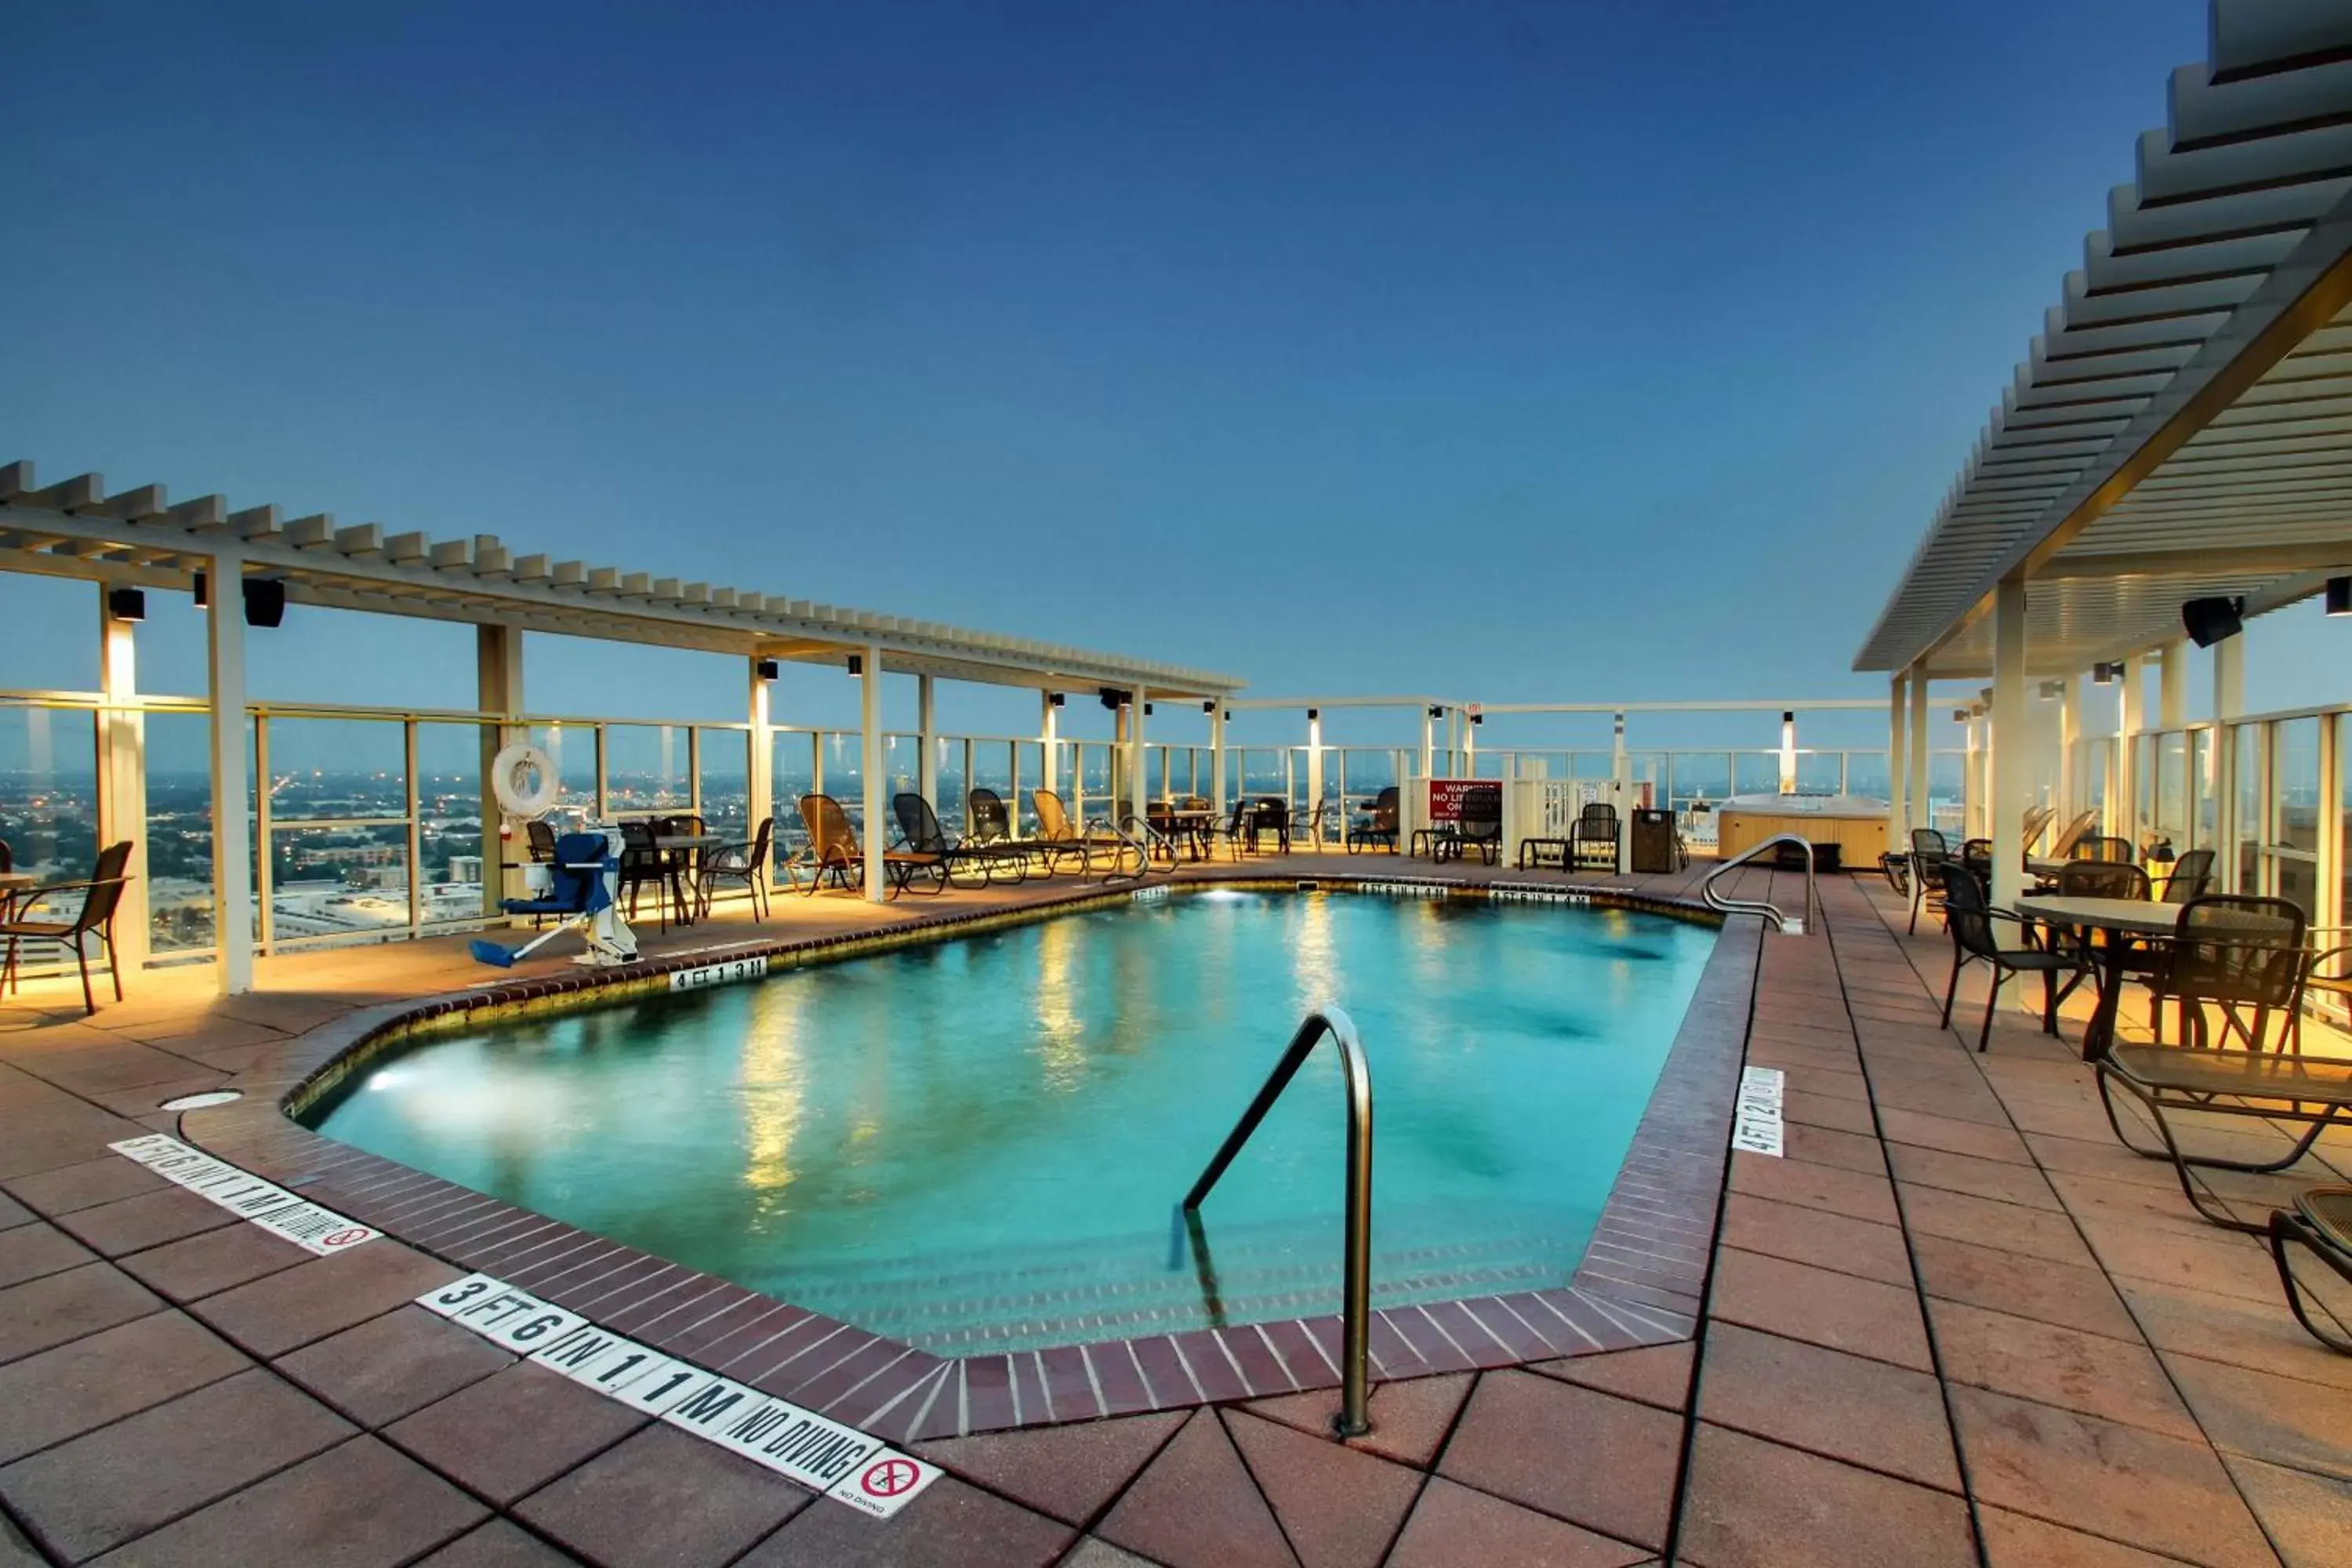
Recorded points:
(324, 1296)
(123, 1480)
(1753, 1504)
(2309, 1517)
(29, 1251)
(198, 1266)
(1655, 1375)
(2263, 1335)
(133, 1224)
(361, 1505)
(76, 1387)
(1518, 1425)
(2116, 1379)
(1966, 1173)
(1814, 1186)
(2024, 1287)
(2281, 1419)
(1953, 1136)
(1863, 1412)
(514, 1431)
(1811, 1108)
(2015, 1541)
(1069, 1472)
(1340, 1507)
(1451, 1525)
(80, 1186)
(1195, 1506)
(1817, 1237)
(498, 1544)
(2140, 1487)
(1827, 1146)
(67, 1305)
(1410, 1418)
(393, 1365)
(1799, 1301)
(2102, 1157)
(666, 1499)
(2101, 1200)
(12, 1213)
(1984, 1222)
(2217, 1260)
(951, 1525)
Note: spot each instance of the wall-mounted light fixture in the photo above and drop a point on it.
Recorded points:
(2212, 619)
(767, 668)
(126, 604)
(1437, 712)
(1209, 708)
(858, 664)
(1477, 718)
(1147, 710)
(1959, 715)
(1313, 714)
(2106, 674)
(1057, 699)
(2052, 689)
(2339, 595)
(265, 601)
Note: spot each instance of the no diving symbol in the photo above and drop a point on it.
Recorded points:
(345, 1237)
(889, 1478)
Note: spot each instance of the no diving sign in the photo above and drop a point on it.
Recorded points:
(884, 1484)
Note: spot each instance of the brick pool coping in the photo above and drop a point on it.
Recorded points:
(1640, 1283)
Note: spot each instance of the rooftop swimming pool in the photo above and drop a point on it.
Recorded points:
(978, 1144)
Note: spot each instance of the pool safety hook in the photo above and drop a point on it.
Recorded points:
(1356, 1282)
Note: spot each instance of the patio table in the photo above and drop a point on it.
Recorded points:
(2125, 921)
(686, 848)
(1180, 824)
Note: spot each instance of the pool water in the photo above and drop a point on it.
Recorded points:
(979, 1145)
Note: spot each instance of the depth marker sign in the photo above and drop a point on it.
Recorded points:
(298, 1219)
(801, 1445)
(1755, 1128)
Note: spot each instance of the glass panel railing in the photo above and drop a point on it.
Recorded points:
(336, 770)
(722, 761)
(645, 769)
(178, 831)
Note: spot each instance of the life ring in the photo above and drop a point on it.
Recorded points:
(523, 778)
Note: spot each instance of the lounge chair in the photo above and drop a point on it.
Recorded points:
(1480, 827)
(2063, 845)
(2093, 847)
(920, 833)
(2037, 817)
(2322, 1221)
(2266, 1085)
(834, 852)
(746, 863)
(1380, 827)
(95, 918)
(1058, 836)
(1969, 917)
(990, 826)
(2191, 877)
(1593, 835)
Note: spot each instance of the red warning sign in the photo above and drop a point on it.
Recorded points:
(888, 1482)
(889, 1477)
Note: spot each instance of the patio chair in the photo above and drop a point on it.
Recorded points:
(1058, 838)
(1380, 827)
(2063, 845)
(2234, 950)
(95, 918)
(2191, 877)
(2094, 847)
(1930, 852)
(2326, 973)
(1968, 916)
(540, 838)
(989, 818)
(1480, 829)
(2314, 1092)
(834, 852)
(642, 864)
(2037, 817)
(2093, 879)
(919, 833)
(1976, 854)
(746, 863)
(1593, 834)
(2321, 1220)
(1270, 814)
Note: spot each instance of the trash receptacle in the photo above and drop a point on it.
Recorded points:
(1654, 842)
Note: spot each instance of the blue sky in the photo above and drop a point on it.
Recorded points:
(1516, 351)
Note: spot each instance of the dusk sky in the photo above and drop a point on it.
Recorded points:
(1513, 352)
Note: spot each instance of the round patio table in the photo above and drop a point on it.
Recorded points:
(2124, 920)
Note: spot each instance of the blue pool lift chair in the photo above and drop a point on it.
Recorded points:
(576, 894)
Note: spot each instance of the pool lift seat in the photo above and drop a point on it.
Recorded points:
(578, 886)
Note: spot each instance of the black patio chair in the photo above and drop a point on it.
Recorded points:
(94, 919)
(2095, 879)
(1380, 827)
(1930, 852)
(2191, 877)
(643, 865)
(746, 863)
(1968, 916)
(1593, 834)
(2322, 1221)
(2235, 952)
(1976, 854)
(2094, 847)
(1270, 814)
(1480, 829)
(919, 833)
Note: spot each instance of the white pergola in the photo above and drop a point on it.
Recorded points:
(139, 538)
(2181, 429)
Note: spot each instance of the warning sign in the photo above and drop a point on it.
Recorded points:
(1450, 800)
(243, 1193)
(885, 1484)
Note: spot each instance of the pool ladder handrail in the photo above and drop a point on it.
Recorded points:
(1771, 912)
(1356, 1283)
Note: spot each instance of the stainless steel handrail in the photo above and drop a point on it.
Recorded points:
(1355, 1284)
(1771, 912)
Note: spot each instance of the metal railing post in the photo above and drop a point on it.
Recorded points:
(1356, 1285)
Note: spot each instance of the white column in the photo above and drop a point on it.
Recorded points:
(1469, 747)
(497, 682)
(1972, 783)
(1898, 762)
(1787, 754)
(877, 806)
(927, 769)
(1428, 744)
(2229, 678)
(2069, 735)
(1621, 773)
(123, 781)
(1921, 809)
(1314, 776)
(2172, 686)
(2131, 716)
(1139, 787)
(1217, 757)
(1048, 728)
(761, 782)
(232, 780)
(2011, 745)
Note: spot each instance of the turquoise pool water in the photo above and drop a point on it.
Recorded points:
(979, 1145)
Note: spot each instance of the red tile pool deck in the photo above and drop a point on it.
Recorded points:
(1955, 1324)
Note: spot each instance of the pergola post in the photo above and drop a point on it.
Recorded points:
(2131, 715)
(1898, 760)
(1315, 773)
(2011, 745)
(1922, 808)
(761, 777)
(2229, 677)
(2069, 735)
(2172, 686)
(122, 780)
(497, 675)
(1428, 744)
(870, 737)
(231, 778)
(1138, 786)
(1217, 756)
(1621, 774)
(1048, 723)
(927, 770)
(2229, 702)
